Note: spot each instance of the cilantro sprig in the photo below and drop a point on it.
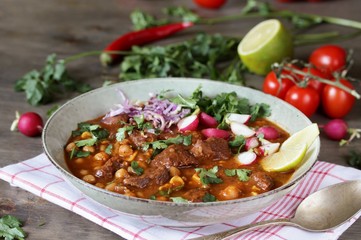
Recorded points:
(208, 176)
(242, 174)
(163, 144)
(41, 86)
(10, 228)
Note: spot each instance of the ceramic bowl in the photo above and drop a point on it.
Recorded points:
(97, 102)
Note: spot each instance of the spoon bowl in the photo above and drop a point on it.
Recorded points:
(320, 211)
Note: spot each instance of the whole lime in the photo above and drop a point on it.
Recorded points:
(266, 43)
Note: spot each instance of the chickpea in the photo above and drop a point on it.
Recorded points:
(131, 157)
(130, 194)
(174, 171)
(110, 186)
(79, 160)
(70, 147)
(101, 156)
(230, 192)
(89, 149)
(89, 179)
(120, 189)
(84, 172)
(102, 147)
(121, 173)
(140, 194)
(100, 185)
(86, 135)
(162, 198)
(125, 150)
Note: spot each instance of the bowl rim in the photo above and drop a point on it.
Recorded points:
(166, 203)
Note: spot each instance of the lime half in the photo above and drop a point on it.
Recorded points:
(292, 151)
(266, 43)
(285, 159)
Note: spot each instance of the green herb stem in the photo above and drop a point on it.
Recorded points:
(283, 14)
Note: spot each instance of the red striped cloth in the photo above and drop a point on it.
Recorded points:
(40, 177)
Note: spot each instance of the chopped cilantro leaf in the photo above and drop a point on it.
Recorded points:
(208, 176)
(120, 135)
(179, 200)
(135, 166)
(108, 149)
(242, 174)
(209, 198)
(86, 142)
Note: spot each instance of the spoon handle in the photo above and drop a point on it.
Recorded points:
(228, 233)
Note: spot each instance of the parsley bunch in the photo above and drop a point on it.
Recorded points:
(202, 56)
(10, 228)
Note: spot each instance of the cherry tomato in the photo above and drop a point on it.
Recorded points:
(272, 86)
(329, 59)
(317, 85)
(305, 99)
(213, 4)
(337, 103)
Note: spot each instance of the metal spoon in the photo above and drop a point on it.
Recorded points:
(320, 211)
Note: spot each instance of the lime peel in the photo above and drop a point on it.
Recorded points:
(292, 151)
(266, 43)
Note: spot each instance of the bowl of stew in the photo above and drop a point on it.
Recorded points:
(168, 149)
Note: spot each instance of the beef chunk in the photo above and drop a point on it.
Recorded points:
(262, 180)
(109, 168)
(138, 138)
(195, 195)
(212, 148)
(175, 156)
(159, 175)
(116, 120)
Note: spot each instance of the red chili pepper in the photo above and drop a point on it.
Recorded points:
(137, 38)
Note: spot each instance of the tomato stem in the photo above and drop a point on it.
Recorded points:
(326, 81)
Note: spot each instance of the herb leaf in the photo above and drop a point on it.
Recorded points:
(209, 198)
(208, 176)
(163, 144)
(354, 159)
(242, 174)
(41, 86)
(10, 228)
(179, 200)
(135, 166)
(201, 56)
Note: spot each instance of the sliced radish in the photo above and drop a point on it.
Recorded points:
(252, 142)
(215, 132)
(189, 123)
(264, 141)
(269, 149)
(239, 118)
(246, 158)
(268, 132)
(241, 129)
(207, 120)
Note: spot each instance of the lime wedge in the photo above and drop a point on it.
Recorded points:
(307, 135)
(292, 151)
(285, 159)
(266, 43)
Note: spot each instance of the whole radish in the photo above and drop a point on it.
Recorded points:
(336, 129)
(30, 124)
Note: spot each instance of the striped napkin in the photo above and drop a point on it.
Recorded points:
(40, 177)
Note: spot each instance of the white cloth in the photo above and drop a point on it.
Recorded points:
(40, 177)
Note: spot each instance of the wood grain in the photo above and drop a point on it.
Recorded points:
(30, 30)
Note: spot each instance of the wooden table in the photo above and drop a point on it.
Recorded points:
(30, 30)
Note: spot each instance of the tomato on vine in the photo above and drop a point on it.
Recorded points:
(329, 59)
(275, 87)
(213, 4)
(337, 103)
(312, 82)
(305, 99)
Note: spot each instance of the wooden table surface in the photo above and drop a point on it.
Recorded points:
(30, 30)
